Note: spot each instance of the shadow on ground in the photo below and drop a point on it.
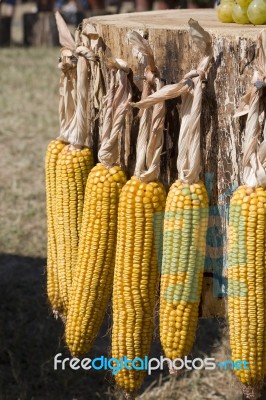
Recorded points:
(30, 338)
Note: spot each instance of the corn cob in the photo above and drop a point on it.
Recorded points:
(67, 80)
(246, 282)
(72, 170)
(185, 226)
(140, 214)
(52, 153)
(92, 285)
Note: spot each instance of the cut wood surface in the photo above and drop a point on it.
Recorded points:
(221, 136)
(176, 20)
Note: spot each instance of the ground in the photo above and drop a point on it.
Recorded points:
(29, 335)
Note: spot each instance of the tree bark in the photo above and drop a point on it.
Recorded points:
(221, 135)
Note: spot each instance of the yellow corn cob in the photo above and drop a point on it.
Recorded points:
(185, 226)
(140, 215)
(93, 276)
(247, 282)
(72, 170)
(53, 150)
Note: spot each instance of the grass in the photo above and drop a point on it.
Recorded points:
(28, 120)
(29, 336)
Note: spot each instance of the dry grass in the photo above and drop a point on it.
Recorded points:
(28, 120)
(207, 385)
(29, 337)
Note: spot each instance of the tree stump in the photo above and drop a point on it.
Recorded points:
(221, 135)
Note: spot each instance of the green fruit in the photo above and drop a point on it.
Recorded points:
(239, 14)
(257, 12)
(224, 12)
(244, 3)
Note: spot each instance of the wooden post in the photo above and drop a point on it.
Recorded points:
(229, 77)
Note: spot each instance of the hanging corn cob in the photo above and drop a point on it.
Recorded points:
(185, 227)
(66, 112)
(141, 206)
(247, 241)
(72, 170)
(186, 215)
(93, 276)
(73, 165)
(53, 150)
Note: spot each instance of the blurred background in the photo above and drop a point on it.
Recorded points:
(31, 23)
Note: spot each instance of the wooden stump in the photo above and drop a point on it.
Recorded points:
(221, 135)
